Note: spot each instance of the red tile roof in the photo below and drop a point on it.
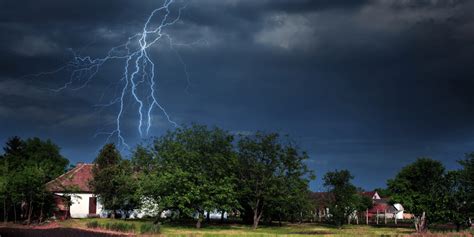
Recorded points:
(78, 178)
(369, 194)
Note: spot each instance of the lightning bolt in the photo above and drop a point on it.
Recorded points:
(138, 72)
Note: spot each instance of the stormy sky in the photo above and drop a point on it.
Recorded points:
(364, 85)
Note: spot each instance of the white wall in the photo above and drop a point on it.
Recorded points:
(80, 204)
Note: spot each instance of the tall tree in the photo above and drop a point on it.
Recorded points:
(456, 201)
(27, 166)
(194, 172)
(272, 174)
(113, 181)
(465, 191)
(421, 188)
(345, 199)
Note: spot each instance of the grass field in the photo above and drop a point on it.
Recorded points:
(243, 230)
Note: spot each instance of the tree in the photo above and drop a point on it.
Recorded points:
(345, 200)
(27, 166)
(421, 188)
(194, 172)
(3, 193)
(456, 200)
(467, 178)
(142, 160)
(113, 181)
(272, 176)
(463, 188)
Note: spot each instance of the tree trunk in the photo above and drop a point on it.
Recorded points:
(41, 213)
(222, 217)
(367, 217)
(199, 221)
(256, 218)
(30, 212)
(14, 213)
(68, 206)
(420, 223)
(208, 216)
(5, 212)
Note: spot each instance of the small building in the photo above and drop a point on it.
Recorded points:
(72, 188)
(381, 207)
(374, 195)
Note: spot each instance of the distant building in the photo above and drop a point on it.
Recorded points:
(372, 195)
(381, 206)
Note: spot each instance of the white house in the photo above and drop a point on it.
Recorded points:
(74, 185)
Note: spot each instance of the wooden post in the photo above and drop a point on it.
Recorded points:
(377, 217)
(385, 216)
(367, 216)
(395, 218)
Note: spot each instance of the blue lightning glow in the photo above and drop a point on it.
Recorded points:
(138, 69)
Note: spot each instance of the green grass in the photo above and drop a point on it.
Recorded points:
(146, 226)
(141, 226)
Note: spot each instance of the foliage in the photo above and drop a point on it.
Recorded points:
(115, 226)
(120, 226)
(466, 177)
(421, 188)
(92, 224)
(345, 199)
(27, 165)
(273, 177)
(194, 172)
(149, 228)
(113, 181)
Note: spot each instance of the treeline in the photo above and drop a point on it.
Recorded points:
(25, 167)
(193, 170)
(435, 195)
(425, 189)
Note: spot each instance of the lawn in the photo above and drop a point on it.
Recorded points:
(243, 230)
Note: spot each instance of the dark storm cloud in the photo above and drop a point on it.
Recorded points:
(357, 83)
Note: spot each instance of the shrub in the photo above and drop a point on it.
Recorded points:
(119, 226)
(92, 224)
(149, 228)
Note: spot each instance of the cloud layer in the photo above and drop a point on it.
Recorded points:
(356, 83)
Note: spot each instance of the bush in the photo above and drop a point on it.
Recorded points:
(92, 224)
(119, 226)
(115, 226)
(149, 228)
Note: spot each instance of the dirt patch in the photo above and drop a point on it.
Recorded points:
(316, 232)
(52, 232)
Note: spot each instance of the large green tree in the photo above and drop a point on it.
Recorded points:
(272, 176)
(113, 181)
(421, 188)
(344, 197)
(27, 166)
(193, 172)
(462, 190)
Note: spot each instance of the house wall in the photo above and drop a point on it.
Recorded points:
(80, 205)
